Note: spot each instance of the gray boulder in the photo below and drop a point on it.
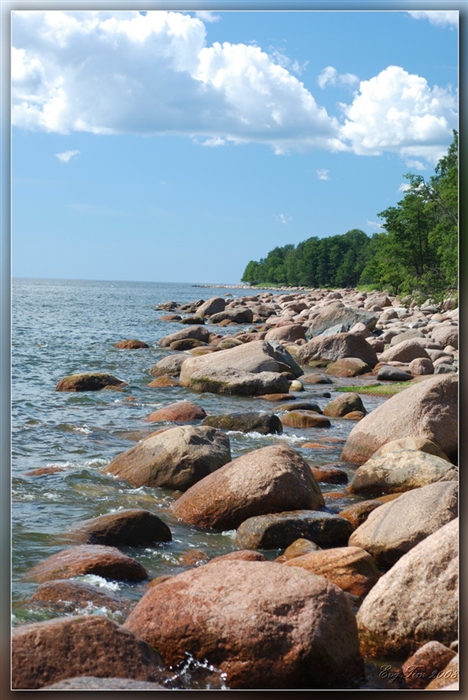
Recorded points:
(336, 314)
(335, 347)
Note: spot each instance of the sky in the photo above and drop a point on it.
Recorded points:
(176, 146)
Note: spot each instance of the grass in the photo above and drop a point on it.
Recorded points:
(376, 389)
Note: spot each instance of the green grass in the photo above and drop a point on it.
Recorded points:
(376, 389)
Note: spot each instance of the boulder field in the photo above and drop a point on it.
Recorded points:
(308, 592)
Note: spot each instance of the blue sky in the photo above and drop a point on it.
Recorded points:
(177, 146)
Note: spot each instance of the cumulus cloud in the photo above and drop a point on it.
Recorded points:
(398, 111)
(124, 72)
(66, 156)
(441, 18)
(323, 174)
(330, 76)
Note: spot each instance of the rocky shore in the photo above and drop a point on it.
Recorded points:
(369, 590)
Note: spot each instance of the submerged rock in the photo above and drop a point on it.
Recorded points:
(130, 528)
(254, 421)
(89, 381)
(67, 596)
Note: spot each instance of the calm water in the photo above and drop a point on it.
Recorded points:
(64, 327)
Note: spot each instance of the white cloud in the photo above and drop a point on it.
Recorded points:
(398, 111)
(124, 72)
(404, 187)
(374, 225)
(282, 219)
(323, 174)
(440, 18)
(285, 62)
(66, 156)
(212, 143)
(415, 164)
(207, 16)
(330, 76)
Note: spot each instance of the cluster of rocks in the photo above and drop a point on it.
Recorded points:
(378, 579)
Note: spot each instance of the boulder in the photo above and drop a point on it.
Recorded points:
(396, 527)
(235, 382)
(416, 601)
(66, 596)
(411, 443)
(426, 664)
(287, 334)
(233, 315)
(427, 409)
(336, 314)
(393, 374)
(168, 365)
(447, 679)
(280, 627)
(131, 344)
(297, 549)
(348, 367)
(179, 412)
(188, 344)
(88, 645)
(305, 419)
(357, 513)
(335, 347)
(395, 472)
(299, 406)
(249, 422)
(351, 568)
(346, 403)
(175, 458)
(124, 528)
(211, 306)
(420, 366)
(89, 381)
(279, 530)
(96, 559)
(404, 351)
(196, 332)
(329, 474)
(164, 381)
(445, 335)
(269, 480)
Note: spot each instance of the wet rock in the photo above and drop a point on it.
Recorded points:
(175, 458)
(168, 365)
(396, 527)
(299, 406)
(416, 601)
(124, 528)
(268, 480)
(426, 664)
(428, 409)
(187, 344)
(296, 549)
(89, 381)
(66, 596)
(254, 421)
(281, 627)
(235, 382)
(351, 568)
(279, 530)
(393, 374)
(305, 419)
(348, 367)
(131, 344)
(192, 320)
(316, 379)
(100, 560)
(400, 471)
(243, 554)
(336, 347)
(344, 404)
(44, 653)
(357, 513)
(196, 332)
(179, 412)
(329, 474)
(164, 381)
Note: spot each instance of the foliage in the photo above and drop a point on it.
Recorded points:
(416, 253)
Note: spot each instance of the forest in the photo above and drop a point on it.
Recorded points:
(415, 253)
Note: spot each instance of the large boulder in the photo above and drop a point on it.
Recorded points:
(288, 333)
(178, 412)
(46, 652)
(248, 422)
(232, 381)
(427, 409)
(395, 472)
(406, 351)
(262, 624)
(96, 559)
(240, 314)
(124, 528)
(89, 381)
(416, 601)
(445, 334)
(396, 527)
(336, 347)
(336, 314)
(175, 458)
(68, 596)
(194, 332)
(269, 480)
(211, 306)
(169, 365)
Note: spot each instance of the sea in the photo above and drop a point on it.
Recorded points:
(62, 327)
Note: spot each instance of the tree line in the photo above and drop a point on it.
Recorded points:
(416, 251)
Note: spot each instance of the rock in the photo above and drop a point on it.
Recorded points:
(279, 530)
(296, 385)
(196, 332)
(212, 306)
(269, 480)
(89, 381)
(426, 664)
(344, 404)
(287, 334)
(65, 596)
(243, 554)
(305, 419)
(445, 335)
(416, 601)
(168, 365)
(335, 347)
(164, 381)
(100, 560)
(447, 679)
(396, 527)
(299, 406)
(132, 344)
(175, 458)
(350, 568)
(93, 683)
(192, 320)
(420, 366)
(187, 344)
(254, 421)
(404, 351)
(400, 471)
(336, 314)
(280, 627)
(124, 528)
(393, 374)
(179, 412)
(412, 334)
(357, 513)
(227, 342)
(354, 415)
(233, 315)
(235, 382)
(44, 653)
(348, 367)
(444, 368)
(428, 409)
(297, 549)
(411, 443)
(316, 379)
